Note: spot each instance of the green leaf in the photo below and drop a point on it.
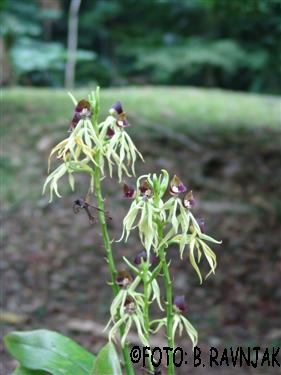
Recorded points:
(25, 371)
(49, 351)
(107, 362)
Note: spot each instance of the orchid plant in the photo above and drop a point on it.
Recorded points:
(161, 212)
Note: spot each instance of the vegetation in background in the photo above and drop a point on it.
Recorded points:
(210, 43)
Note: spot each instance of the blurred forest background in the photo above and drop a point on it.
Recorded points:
(200, 81)
(208, 43)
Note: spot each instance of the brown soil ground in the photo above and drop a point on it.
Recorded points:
(54, 272)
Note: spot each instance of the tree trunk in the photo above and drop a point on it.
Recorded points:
(5, 66)
(72, 39)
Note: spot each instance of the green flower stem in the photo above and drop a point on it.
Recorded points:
(96, 175)
(168, 306)
(146, 280)
(104, 230)
(109, 256)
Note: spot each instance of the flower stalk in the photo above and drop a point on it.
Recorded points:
(168, 305)
(146, 297)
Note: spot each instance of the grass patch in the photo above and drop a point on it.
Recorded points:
(187, 109)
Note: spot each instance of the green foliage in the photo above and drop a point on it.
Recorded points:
(41, 351)
(46, 66)
(207, 43)
(212, 43)
(197, 57)
(107, 361)
(44, 55)
(35, 59)
(19, 18)
(48, 351)
(20, 370)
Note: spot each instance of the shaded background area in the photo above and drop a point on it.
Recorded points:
(224, 145)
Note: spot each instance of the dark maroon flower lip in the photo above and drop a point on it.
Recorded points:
(123, 278)
(130, 305)
(188, 201)
(146, 189)
(82, 110)
(179, 304)
(122, 121)
(128, 191)
(110, 132)
(143, 255)
(177, 186)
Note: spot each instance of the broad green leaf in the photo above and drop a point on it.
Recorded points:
(107, 362)
(25, 371)
(49, 351)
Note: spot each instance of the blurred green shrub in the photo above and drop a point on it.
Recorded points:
(209, 62)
